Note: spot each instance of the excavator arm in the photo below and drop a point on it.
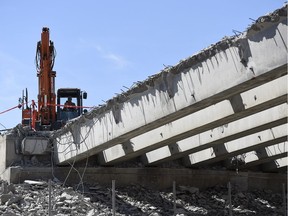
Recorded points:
(45, 56)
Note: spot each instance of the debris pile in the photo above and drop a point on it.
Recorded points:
(32, 198)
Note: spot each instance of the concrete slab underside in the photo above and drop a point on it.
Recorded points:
(237, 147)
(168, 135)
(265, 154)
(150, 177)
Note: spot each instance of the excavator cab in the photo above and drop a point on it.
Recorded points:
(75, 107)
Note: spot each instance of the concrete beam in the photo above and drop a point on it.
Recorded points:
(238, 146)
(234, 130)
(264, 155)
(171, 96)
(8, 148)
(225, 133)
(188, 126)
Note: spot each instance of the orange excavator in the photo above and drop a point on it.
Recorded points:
(46, 118)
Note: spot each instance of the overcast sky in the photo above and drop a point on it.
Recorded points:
(105, 45)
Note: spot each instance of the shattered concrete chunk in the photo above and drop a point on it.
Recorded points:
(31, 182)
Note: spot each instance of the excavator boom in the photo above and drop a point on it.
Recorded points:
(45, 55)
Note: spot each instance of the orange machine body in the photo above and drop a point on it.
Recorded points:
(46, 113)
(42, 115)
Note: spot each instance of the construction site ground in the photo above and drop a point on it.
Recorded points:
(56, 198)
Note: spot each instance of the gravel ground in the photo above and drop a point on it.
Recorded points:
(32, 198)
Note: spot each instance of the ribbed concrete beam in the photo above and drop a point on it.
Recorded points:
(263, 120)
(224, 133)
(218, 115)
(236, 147)
(234, 130)
(276, 165)
(163, 136)
(264, 155)
(205, 79)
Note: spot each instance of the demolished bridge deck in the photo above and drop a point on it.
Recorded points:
(209, 90)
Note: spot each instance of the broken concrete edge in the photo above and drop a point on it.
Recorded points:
(269, 18)
(26, 142)
(204, 54)
(148, 177)
(261, 23)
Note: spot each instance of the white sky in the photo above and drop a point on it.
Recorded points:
(105, 45)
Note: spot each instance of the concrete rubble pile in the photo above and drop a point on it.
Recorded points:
(32, 198)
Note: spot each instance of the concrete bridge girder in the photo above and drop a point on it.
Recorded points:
(237, 129)
(171, 96)
(215, 114)
(222, 133)
(264, 155)
(250, 124)
(238, 146)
